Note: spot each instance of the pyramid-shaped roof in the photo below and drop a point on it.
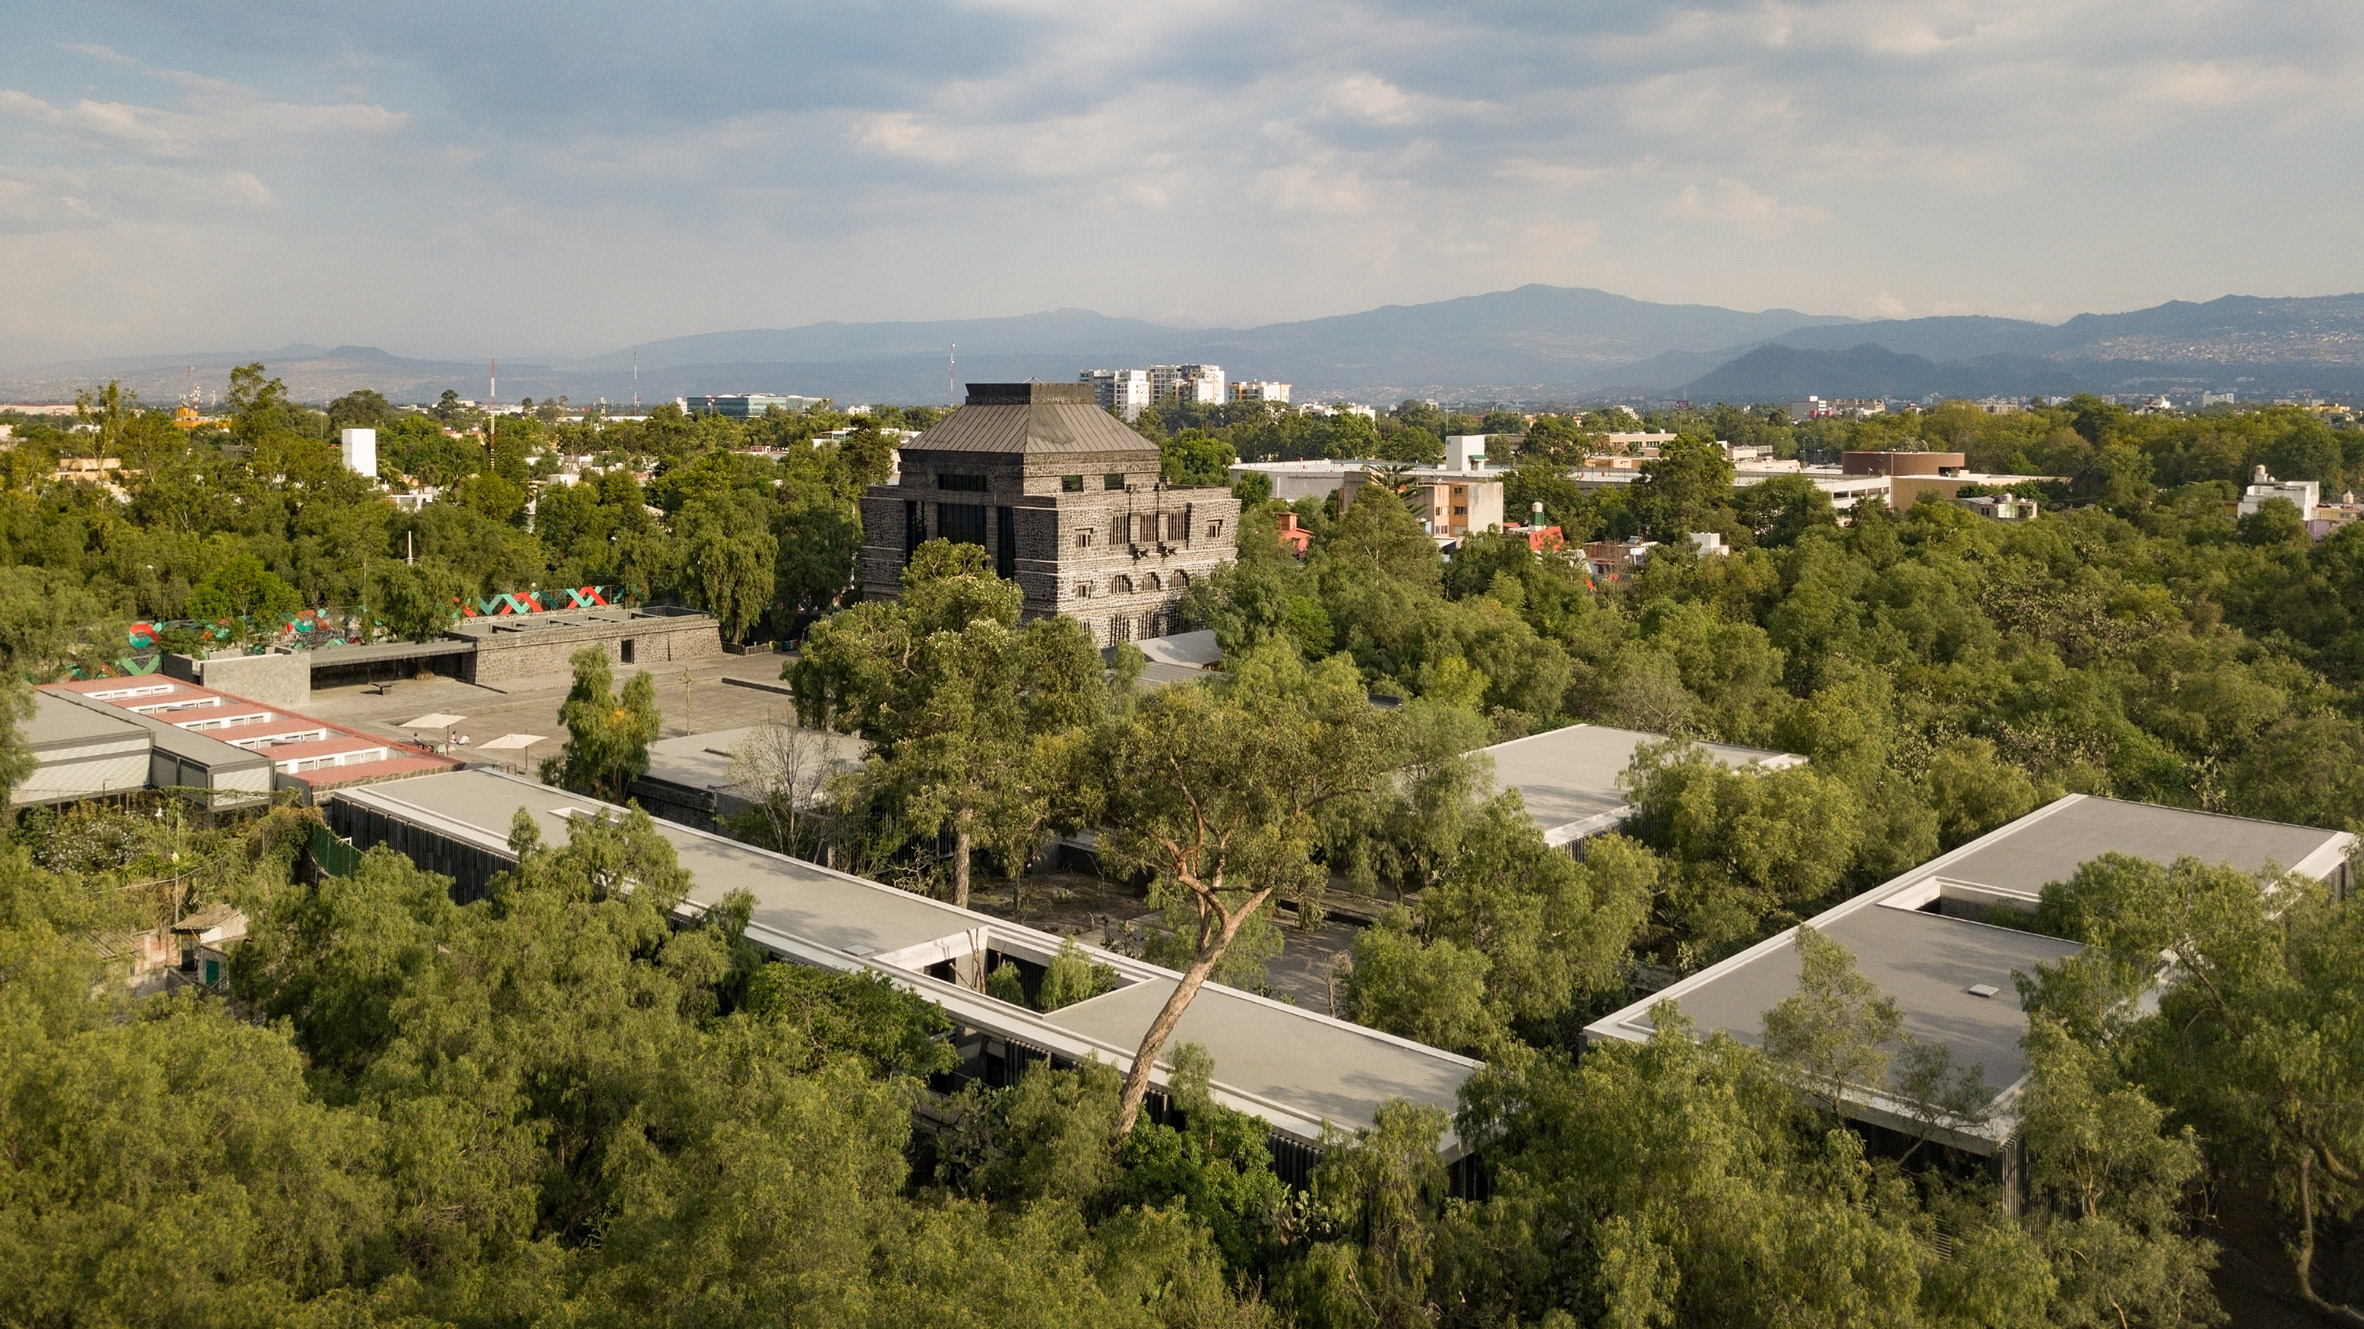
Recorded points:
(1030, 419)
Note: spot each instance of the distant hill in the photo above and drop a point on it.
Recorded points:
(2248, 343)
(1531, 343)
(1534, 344)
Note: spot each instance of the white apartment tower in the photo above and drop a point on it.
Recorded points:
(1186, 385)
(1124, 391)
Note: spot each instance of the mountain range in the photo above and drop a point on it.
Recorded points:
(1536, 344)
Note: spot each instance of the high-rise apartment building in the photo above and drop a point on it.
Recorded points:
(1124, 391)
(1260, 390)
(1186, 385)
(1066, 502)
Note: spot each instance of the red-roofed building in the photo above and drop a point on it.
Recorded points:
(207, 731)
(1540, 539)
(1296, 538)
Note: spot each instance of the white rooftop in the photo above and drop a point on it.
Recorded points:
(1569, 777)
(1293, 1068)
(1907, 935)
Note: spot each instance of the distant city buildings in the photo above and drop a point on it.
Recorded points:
(743, 405)
(2321, 518)
(1858, 408)
(1124, 391)
(1260, 390)
(1459, 498)
(1128, 391)
(359, 448)
(2000, 507)
(2304, 495)
(1186, 385)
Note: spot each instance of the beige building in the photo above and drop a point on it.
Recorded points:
(1450, 501)
(1066, 501)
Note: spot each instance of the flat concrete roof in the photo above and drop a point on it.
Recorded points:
(1193, 649)
(2072, 833)
(1295, 1068)
(376, 652)
(1272, 1050)
(58, 723)
(1928, 962)
(1569, 777)
(703, 761)
(477, 629)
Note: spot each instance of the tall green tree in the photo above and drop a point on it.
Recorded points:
(417, 602)
(2251, 1039)
(1218, 790)
(607, 734)
(730, 559)
(1835, 1031)
(975, 719)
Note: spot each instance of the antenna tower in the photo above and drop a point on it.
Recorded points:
(492, 386)
(951, 399)
(636, 382)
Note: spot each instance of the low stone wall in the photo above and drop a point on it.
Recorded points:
(529, 649)
(278, 679)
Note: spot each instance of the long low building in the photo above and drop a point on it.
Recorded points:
(1303, 1074)
(1570, 777)
(103, 736)
(1921, 937)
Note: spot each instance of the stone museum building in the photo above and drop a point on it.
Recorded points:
(1066, 501)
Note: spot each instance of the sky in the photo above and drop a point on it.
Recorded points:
(472, 178)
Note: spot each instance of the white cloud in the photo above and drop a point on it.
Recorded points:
(1735, 202)
(900, 134)
(214, 115)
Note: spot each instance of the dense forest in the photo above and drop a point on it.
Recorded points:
(559, 1104)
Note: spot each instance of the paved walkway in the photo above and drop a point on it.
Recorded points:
(530, 706)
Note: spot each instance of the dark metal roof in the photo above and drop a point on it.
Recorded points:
(1029, 393)
(1040, 427)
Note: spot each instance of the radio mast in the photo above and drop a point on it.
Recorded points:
(636, 382)
(951, 398)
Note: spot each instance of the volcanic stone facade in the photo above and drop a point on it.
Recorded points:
(1066, 501)
(536, 645)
